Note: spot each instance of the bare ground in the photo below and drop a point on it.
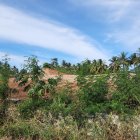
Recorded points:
(49, 73)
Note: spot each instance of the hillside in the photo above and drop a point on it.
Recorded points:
(48, 73)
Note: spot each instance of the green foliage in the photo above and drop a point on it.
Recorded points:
(54, 62)
(37, 90)
(88, 67)
(84, 68)
(67, 70)
(36, 87)
(53, 81)
(61, 103)
(30, 78)
(126, 98)
(93, 92)
(18, 130)
(47, 65)
(35, 72)
(73, 114)
(28, 108)
(22, 77)
(5, 73)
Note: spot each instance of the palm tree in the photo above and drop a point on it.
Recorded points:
(123, 60)
(134, 60)
(115, 65)
(98, 67)
(63, 63)
(85, 67)
(93, 68)
(101, 66)
(54, 62)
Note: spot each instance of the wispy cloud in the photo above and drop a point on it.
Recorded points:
(127, 31)
(21, 28)
(128, 37)
(108, 10)
(121, 19)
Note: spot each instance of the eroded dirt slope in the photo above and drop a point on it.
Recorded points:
(49, 73)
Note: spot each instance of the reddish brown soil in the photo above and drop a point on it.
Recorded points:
(20, 94)
(49, 73)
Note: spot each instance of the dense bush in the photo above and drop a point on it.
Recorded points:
(5, 74)
(93, 94)
(126, 98)
(28, 108)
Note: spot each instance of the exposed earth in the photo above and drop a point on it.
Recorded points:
(49, 73)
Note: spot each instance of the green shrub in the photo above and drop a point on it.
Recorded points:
(92, 94)
(126, 98)
(5, 73)
(28, 107)
(18, 130)
(61, 103)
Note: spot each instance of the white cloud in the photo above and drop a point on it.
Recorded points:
(127, 31)
(21, 28)
(121, 19)
(130, 37)
(108, 10)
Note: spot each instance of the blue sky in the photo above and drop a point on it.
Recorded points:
(68, 29)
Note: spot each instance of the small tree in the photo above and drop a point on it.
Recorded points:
(54, 62)
(32, 79)
(31, 76)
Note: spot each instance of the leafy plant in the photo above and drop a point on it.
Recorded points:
(126, 98)
(93, 92)
(5, 73)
